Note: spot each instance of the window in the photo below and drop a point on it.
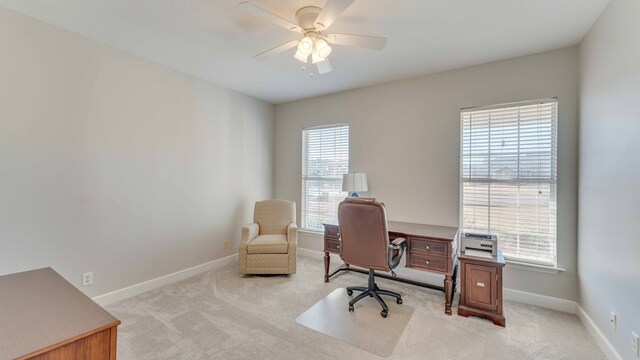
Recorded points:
(509, 177)
(325, 158)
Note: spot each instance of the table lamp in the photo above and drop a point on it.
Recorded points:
(354, 182)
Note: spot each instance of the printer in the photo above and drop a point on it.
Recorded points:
(479, 245)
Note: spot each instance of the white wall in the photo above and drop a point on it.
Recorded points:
(405, 136)
(116, 165)
(609, 226)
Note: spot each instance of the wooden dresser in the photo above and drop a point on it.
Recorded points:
(42, 316)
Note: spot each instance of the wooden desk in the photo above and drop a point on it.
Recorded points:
(429, 248)
(42, 316)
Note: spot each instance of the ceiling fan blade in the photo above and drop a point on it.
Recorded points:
(361, 41)
(277, 50)
(324, 66)
(268, 16)
(331, 11)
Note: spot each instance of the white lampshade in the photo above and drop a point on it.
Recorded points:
(322, 48)
(306, 45)
(315, 58)
(354, 182)
(301, 56)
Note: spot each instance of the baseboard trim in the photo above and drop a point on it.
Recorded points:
(544, 301)
(143, 287)
(603, 343)
(315, 254)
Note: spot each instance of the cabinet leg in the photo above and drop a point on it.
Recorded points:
(327, 261)
(448, 290)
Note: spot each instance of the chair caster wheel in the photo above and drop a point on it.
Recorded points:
(349, 292)
(399, 301)
(351, 308)
(383, 313)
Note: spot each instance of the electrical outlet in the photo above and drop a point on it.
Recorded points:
(226, 244)
(87, 279)
(613, 320)
(635, 343)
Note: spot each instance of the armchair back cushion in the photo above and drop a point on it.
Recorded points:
(273, 216)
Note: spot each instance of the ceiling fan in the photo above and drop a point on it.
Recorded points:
(312, 22)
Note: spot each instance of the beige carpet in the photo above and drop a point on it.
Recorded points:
(222, 315)
(363, 328)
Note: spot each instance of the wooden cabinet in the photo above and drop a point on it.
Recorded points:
(481, 285)
(42, 316)
(481, 288)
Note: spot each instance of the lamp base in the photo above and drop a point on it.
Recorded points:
(354, 194)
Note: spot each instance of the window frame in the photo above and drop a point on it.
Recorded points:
(305, 178)
(510, 258)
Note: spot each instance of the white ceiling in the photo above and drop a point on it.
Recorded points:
(214, 40)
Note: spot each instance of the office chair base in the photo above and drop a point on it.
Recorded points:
(372, 291)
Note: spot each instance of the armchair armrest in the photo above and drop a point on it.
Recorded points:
(249, 233)
(397, 248)
(292, 234)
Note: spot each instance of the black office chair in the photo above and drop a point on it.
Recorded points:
(365, 243)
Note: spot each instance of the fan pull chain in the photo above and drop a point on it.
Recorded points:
(304, 68)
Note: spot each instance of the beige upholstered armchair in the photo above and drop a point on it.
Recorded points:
(269, 245)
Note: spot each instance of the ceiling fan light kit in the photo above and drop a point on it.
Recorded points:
(312, 44)
(312, 21)
(306, 45)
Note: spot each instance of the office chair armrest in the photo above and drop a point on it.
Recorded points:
(398, 246)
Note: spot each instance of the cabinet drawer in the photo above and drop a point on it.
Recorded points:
(429, 262)
(431, 247)
(332, 245)
(481, 287)
(331, 231)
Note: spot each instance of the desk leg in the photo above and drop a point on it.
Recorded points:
(327, 261)
(448, 289)
(455, 280)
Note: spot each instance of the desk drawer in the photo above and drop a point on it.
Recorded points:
(429, 262)
(331, 231)
(332, 245)
(431, 247)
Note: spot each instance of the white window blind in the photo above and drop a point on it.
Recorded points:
(509, 177)
(325, 158)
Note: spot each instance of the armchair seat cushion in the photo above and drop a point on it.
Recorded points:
(268, 244)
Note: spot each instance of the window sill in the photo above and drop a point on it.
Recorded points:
(312, 232)
(534, 267)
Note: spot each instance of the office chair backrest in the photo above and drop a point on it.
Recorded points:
(274, 215)
(363, 233)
